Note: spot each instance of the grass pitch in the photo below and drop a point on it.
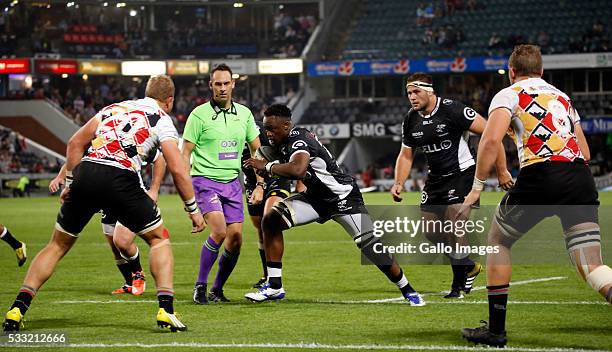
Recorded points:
(328, 294)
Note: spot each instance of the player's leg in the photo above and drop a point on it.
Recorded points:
(122, 264)
(465, 270)
(256, 221)
(290, 212)
(18, 246)
(583, 243)
(161, 262)
(123, 241)
(72, 218)
(360, 227)
(510, 222)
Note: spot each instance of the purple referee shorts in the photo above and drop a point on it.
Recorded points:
(217, 196)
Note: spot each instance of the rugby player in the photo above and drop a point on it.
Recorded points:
(330, 194)
(127, 262)
(554, 179)
(121, 135)
(440, 127)
(274, 189)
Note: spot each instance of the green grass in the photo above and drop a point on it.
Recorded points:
(321, 270)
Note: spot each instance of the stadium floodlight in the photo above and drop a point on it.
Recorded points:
(280, 66)
(120, 4)
(238, 5)
(143, 68)
(105, 4)
(133, 13)
(501, 71)
(70, 4)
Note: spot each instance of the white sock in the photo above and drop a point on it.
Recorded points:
(274, 272)
(4, 232)
(402, 282)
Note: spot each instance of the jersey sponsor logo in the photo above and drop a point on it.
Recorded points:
(440, 128)
(229, 144)
(342, 206)
(427, 122)
(433, 148)
(469, 113)
(451, 194)
(298, 145)
(447, 101)
(294, 133)
(418, 134)
(424, 197)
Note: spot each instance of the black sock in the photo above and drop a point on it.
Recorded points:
(459, 274)
(125, 269)
(406, 288)
(275, 282)
(498, 300)
(609, 295)
(135, 262)
(166, 301)
(24, 299)
(262, 256)
(12, 241)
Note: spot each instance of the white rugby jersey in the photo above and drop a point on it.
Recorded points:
(129, 132)
(543, 121)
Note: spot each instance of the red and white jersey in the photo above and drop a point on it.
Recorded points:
(129, 132)
(543, 121)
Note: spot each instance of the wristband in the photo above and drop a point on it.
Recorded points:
(69, 179)
(478, 185)
(191, 206)
(269, 167)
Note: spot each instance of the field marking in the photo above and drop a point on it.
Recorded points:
(312, 346)
(476, 288)
(386, 300)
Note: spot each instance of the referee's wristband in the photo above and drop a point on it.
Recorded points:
(69, 179)
(478, 185)
(191, 206)
(269, 167)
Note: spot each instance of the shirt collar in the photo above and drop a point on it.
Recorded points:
(218, 109)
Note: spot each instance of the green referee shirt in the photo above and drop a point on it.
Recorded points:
(219, 136)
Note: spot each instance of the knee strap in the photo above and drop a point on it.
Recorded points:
(600, 277)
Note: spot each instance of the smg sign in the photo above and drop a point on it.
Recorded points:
(376, 130)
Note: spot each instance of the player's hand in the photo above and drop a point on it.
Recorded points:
(64, 195)
(55, 184)
(396, 192)
(153, 195)
(465, 208)
(255, 164)
(197, 221)
(505, 180)
(257, 195)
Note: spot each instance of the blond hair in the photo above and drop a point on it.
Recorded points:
(526, 60)
(160, 87)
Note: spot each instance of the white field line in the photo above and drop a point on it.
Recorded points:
(476, 288)
(311, 346)
(386, 300)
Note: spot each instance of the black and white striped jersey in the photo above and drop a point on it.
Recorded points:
(442, 135)
(324, 178)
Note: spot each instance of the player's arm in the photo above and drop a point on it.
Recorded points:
(186, 149)
(300, 186)
(58, 181)
(182, 181)
(258, 192)
(501, 168)
(295, 169)
(403, 165)
(159, 172)
(582, 142)
(77, 144)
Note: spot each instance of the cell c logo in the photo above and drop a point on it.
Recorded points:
(469, 113)
(423, 197)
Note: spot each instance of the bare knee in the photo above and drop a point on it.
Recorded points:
(271, 223)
